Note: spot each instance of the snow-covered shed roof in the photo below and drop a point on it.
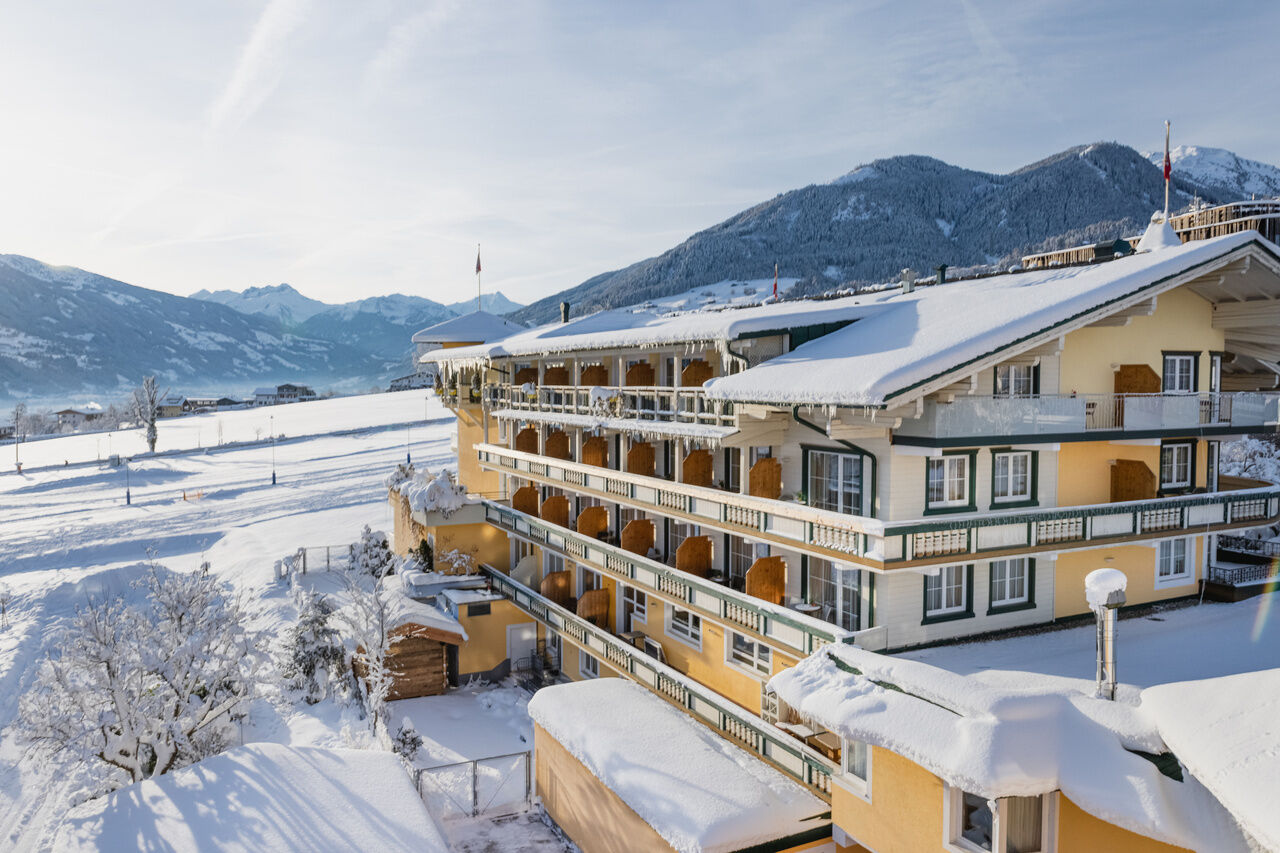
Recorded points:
(697, 790)
(905, 340)
(263, 797)
(404, 610)
(1225, 731)
(476, 327)
(1019, 737)
(625, 327)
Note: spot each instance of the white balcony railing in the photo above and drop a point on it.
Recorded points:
(656, 402)
(1046, 415)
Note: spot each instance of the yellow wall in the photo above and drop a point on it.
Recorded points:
(905, 812)
(1079, 830)
(1084, 468)
(484, 542)
(486, 644)
(1138, 562)
(471, 433)
(1182, 321)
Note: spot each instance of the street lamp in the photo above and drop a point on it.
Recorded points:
(408, 460)
(273, 449)
(128, 499)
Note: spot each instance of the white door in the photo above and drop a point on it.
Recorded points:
(522, 642)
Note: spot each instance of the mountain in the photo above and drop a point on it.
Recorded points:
(1221, 172)
(494, 303)
(907, 211)
(281, 302)
(64, 331)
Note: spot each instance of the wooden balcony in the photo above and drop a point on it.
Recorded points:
(639, 398)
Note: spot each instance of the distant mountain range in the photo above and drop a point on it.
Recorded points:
(920, 212)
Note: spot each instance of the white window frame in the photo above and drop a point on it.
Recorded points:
(551, 559)
(639, 610)
(1008, 478)
(1177, 374)
(859, 786)
(1190, 449)
(953, 814)
(844, 464)
(757, 663)
(961, 461)
(1013, 380)
(1167, 555)
(943, 581)
(1007, 566)
(588, 666)
(691, 636)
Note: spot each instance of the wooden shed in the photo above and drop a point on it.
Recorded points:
(418, 660)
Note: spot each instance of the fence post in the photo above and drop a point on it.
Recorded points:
(475, 788)
(327, 567)
(528, 778)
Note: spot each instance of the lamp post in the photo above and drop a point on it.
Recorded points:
(128, 499)
(408, 460)
(273, 449)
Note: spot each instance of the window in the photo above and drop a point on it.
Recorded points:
(976, 821)
(552, 563)
(1175, 466)
(733, 469)
(684, 626)
(588, 580)
(948, 482)
(836, 590)
(588, 667)
(1010, 582)
(635, 606)
(835, 481)
(1022, 820)
(1179, 373)
(1008, 825)
(741, 554)
(1015, 380)
(553, 651)
(749, 654)
(855, 761)
(1172, 565)
(1011, 477)
(677, 532)
(946, 594)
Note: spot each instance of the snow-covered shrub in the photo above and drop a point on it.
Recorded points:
(427, 492)
(372, 554)
(367, 620)
(144, 687)
(422, 558)
(402, 473)
(407, 741)
(460, 561)
(6, 598)
(313, 652)
(1251, 457)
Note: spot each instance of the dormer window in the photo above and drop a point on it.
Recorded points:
(1015, 380)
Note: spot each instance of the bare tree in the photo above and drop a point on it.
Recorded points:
(145, 407)
(144, 687)
(368, 621)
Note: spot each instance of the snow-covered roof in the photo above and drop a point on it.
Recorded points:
(1024, 738)
(645, 428)
(404, 610)
(264, 392)
(476, 327)
(698, 791)
(263, 797)
(1224, 730)
(907, 339)
(625, 327)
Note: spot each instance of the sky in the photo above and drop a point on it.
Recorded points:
(354, 149)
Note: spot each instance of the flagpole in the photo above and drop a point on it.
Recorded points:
(1166, 171)
(479, 304)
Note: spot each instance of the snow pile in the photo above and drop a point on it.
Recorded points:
(1100, 585)
(262, 797)
(1009, 741)
(698, 791)
(427, 492)
(402, 474)
(1224, 731)
(1251, 457)
(1159, 235)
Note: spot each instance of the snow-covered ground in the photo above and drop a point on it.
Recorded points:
(210, 430)
(66, 533)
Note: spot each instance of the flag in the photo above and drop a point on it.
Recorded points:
(775, 281)
(1168, 164)
(477, 260)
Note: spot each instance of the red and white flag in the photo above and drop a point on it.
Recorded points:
(775, 281)
(1168, 164)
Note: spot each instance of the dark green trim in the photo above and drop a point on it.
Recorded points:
(1166, 762)
(804, 577)
(972, 506)
(818, 833)
(967, 613)
(1066, 437)
(1191, 466)
(875, 496)
(1267, 247)
(1195, 369)
(1033, 476)
(871, 600)
(806, 449)
(1029, 604)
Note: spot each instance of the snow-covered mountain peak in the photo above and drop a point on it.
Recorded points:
(1222, 170)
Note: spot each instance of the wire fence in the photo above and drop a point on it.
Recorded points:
(493, 787)
(319, 558)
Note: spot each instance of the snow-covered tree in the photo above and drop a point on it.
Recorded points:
(461, 562)
(1256, 458)
(367, 620)
(421, 557)
(407, 741)
(313, 650)
(145, 408)
(372, 554)
(144, 687)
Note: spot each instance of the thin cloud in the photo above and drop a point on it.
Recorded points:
(256, 72)
(402, 39)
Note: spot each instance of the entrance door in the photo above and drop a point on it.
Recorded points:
(522, 644)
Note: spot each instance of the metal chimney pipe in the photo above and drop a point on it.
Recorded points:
(1104, 590)
(564, 312)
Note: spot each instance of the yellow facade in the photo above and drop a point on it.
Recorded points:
(1079, 830)
(486, 645)
(1182, 322)
(1084, 468)
(1138, 562)
(471, 431)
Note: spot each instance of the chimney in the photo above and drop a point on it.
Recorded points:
(564, 312)
(942, 273)
(1104, 590)
(908, 279)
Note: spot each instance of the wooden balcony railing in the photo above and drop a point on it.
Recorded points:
(796, 759)
(646, 402)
